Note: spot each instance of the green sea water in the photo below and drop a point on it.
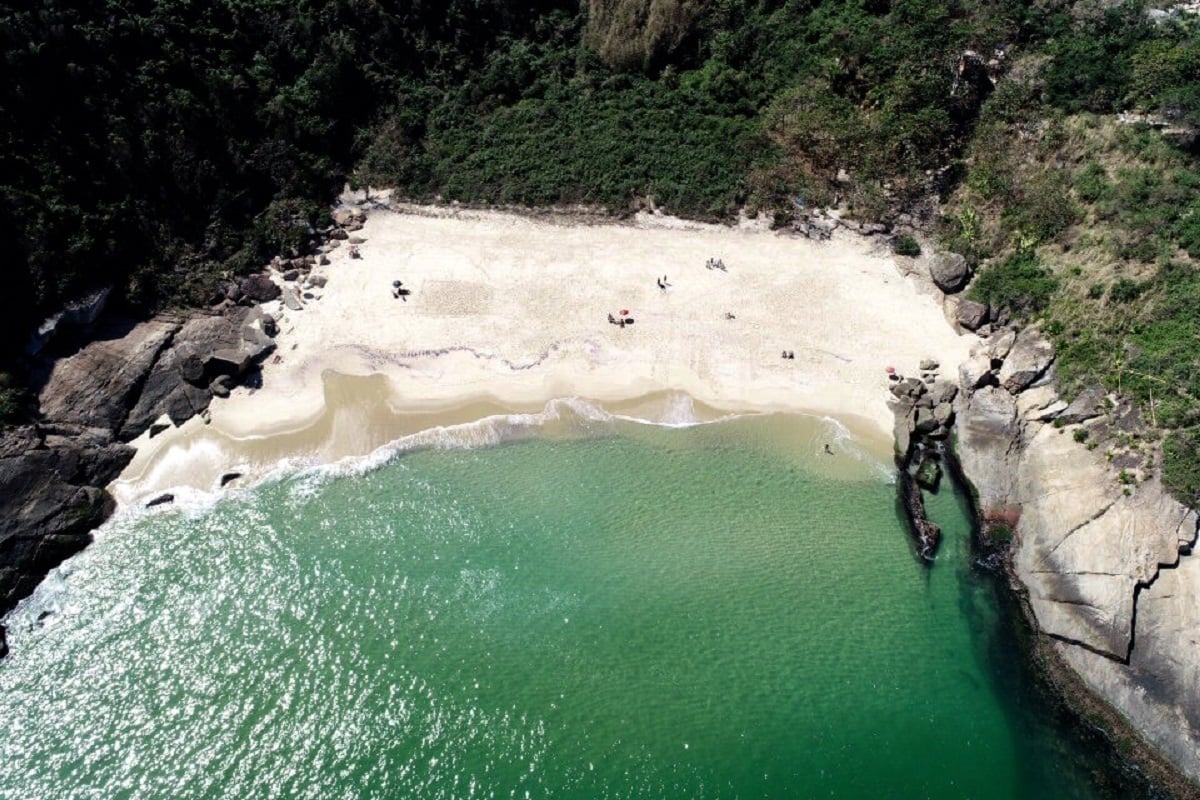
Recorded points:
(718, 611)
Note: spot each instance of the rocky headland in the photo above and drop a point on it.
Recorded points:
(105, 378)
(1095, 548)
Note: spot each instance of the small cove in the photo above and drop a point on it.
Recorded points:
(614, 610)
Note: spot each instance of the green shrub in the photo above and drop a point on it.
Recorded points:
(1019, 284)
(907, 246)
(1125, 290)
(1092, 184)
(1181, 466)
(1042, 209)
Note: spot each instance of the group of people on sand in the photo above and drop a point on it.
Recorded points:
(662, 283)
(399, 291)
(621, 319)
(715, 263)
(789, 355)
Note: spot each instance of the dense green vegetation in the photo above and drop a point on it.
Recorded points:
(1090, 225)
(151, 145)
(157, 144)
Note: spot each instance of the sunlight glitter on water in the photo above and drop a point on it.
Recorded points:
(634, 612)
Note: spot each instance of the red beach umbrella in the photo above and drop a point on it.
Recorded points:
(890, 370)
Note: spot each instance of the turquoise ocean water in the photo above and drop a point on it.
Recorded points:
(622, 611)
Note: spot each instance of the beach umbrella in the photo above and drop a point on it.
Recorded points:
(624, 312)
(890, 370)
(396, 284)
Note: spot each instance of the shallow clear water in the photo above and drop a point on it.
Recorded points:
(699, 612)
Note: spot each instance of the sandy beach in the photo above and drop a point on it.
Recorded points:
(507, 313)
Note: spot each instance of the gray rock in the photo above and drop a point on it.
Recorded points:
(1031, 355)
(291, 300)
(988, 433)
(1001, 344)
(1049, 412)
(96, 386)
(51, 496)
(323, 260)
(943, 414)
(318, 281)
(338, 235)
(259, 288)
(943, 392)
(1089, 404)
(949, 271)
(928, 365)
(227, 362)
(975, 372)
(79, 313)
(971, 315)
(162, 499)
(221, 386)
(924, 421)
(191, 368)
(291, 275)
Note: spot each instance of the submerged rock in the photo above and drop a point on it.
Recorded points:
(926, 535)
(929, 474)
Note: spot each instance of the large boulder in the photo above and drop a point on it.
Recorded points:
(949, 271)
(50, 499)
(259, 288)
(1031, 355)
(971, 315)
(95, 386)
(975, 372)
(203, 349)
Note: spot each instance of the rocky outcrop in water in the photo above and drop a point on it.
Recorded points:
(103, 381)
(1100, 550)
(93, 397)
(924, 414)
(51, 496)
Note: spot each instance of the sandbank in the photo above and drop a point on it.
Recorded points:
(509, 312)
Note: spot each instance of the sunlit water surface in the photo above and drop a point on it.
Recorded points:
(713, 611)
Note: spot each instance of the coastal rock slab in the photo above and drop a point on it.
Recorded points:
(989, 433)
(1089, 404)
(1031, 355)
(1084, 545)
(95, 386)
(49, 502)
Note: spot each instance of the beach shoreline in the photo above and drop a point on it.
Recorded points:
(506, 313)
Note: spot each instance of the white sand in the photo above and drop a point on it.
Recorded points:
(510, 311)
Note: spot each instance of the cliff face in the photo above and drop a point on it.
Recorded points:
(629, 34)
(1103, 557)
